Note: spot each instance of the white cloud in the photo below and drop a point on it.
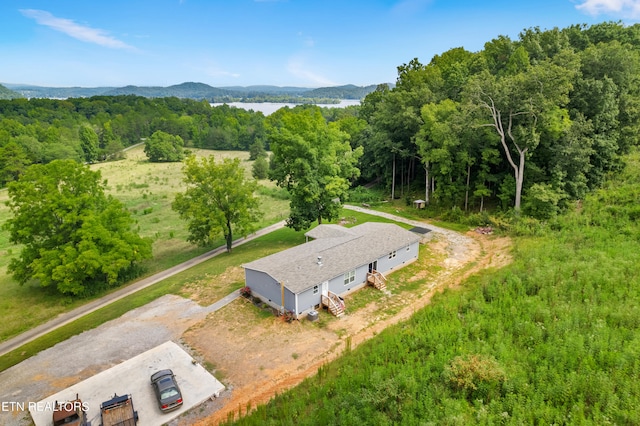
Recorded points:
(622, 8)
(306, 40)
(77, 31)
(298, 69)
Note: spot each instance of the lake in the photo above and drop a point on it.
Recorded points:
(270, 107)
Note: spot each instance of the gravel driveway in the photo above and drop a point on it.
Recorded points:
(94, 351)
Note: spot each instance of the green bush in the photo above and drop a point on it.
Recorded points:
(360, 194)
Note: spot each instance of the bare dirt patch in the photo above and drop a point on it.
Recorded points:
(257, 357)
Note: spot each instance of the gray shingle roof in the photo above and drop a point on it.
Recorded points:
(330, 230)
(298, 267)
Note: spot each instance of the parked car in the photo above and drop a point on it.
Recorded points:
(166, 389)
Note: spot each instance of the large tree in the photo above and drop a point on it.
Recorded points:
(89, 143)
(162, 146)
(516, 99)
(314, 161)
(74, 237)
(218, 200)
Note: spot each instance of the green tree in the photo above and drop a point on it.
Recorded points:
(256, 150)
(218, 200)
(13, 162)
(89, 144)
(313, 161)
(514, 104)
(110, 143)
(76, 238)
(260, 168)
(163, 146)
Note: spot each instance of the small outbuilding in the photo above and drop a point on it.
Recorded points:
(335, 262)
(419, 204)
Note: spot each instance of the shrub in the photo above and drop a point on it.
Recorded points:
(360, 194)
(260, 168)
(245, 291)
(477, 376)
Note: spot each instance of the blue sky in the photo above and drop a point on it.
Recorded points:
(309, 43)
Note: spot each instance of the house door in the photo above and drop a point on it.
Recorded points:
(325, 288)
(373, 266)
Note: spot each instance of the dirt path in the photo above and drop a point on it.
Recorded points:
(253, 362)
(256, 364)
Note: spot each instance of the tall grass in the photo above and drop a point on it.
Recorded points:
(554, 338)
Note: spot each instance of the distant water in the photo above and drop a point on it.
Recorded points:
(270, 107)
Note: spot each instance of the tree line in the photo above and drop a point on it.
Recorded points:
(38, 131)
(529, 124)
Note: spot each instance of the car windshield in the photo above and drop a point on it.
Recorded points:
(168, 393)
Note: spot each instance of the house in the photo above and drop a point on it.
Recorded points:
(335, 262)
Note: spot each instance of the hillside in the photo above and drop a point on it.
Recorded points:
(341, 92)
(7, 93)
(199, 91)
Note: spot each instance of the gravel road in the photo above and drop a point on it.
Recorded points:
(93, 351)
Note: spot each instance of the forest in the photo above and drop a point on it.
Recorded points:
(527, 125)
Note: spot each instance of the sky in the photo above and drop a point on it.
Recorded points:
(303, 43)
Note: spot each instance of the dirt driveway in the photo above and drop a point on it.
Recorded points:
(254, 363)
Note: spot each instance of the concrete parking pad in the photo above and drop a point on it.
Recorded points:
(132, 377)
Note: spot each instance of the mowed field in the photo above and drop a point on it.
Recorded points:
(147, 190)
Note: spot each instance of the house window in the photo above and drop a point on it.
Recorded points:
(349, 277)
(392, 254)
(315, 289)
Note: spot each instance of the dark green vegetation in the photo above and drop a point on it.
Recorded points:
(201, 91)
(147, 190)
(7, 93)
(537, 124)
(255, 249)
(534, 123)
(553, 338)
(313, 161)
(531, 124)
(74, 238)
(218, 200)
(162, 146)
(38, 131)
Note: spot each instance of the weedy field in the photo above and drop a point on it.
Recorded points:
(147, 190)
(552, 338)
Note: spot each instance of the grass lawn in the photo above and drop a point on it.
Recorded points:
(147, 190)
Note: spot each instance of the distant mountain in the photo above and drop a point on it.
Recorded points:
(196, 91)
(271, 90)
(341, 92)
(200, 91)
(8, 93)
